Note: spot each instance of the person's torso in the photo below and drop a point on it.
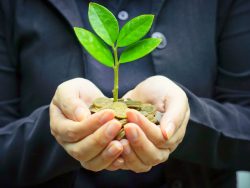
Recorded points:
(49, 53)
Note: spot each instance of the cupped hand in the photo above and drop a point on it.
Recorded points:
(87, 138)
(148, 144)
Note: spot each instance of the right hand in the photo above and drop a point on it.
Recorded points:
(87, 138)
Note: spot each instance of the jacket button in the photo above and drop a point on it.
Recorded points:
(159, 35)
(123, 15)
(177, 184)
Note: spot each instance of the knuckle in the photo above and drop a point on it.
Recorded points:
(75, 153)
(171, 142)
(171, 149)
(100, 141)
(68, 104)
(160, 142)
(158, 159)
(147, 169)
(143, 169)
(71, 134)
(138, 144)
(91, 167)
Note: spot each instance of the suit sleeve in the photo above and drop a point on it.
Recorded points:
(28, 152)
(218, 134)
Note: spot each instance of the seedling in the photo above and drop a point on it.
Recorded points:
(103, 46)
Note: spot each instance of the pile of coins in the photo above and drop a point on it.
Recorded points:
(120, 107)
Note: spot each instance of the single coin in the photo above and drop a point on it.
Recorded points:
(149, 108)
(144, 113)
(119, 109)
(133, 104)
(102, 102)
(94, 109)
(152, 118)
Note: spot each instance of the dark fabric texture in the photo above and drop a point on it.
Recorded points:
(207, 54)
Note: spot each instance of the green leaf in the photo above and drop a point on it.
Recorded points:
(139, 49)
(95, 46)
(103, 23)
(134, 30)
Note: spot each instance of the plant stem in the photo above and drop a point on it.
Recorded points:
(116, 75)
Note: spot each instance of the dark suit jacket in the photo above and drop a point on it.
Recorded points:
(208, 55)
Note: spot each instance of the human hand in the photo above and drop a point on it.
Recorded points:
(87, 138)
(147, 144)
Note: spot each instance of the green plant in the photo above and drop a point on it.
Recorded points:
(104, 47)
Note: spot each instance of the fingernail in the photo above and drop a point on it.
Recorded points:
(119, 162)
(132, 134)
(111, 130)
(113, 150)
(133, 117)
(126, 148)
(169, 130)
(105, 117)
(79, 113)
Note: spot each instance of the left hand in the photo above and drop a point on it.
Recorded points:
(148, 144)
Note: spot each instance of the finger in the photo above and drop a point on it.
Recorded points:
(88, 92)
(175, 110)
(106, 158)
(129, 95)
(68, 101)
(92, 145)
(132, 162)
(153, 132)
(177, 138)
(143, 147)
(116, 164)
(72, 131)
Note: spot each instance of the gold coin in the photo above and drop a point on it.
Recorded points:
(133, 104)
(94, 109)
(120, 135)
(123, 121)
(149, 108)
(102, 102)
(144, 113)
(119, 109)
(152, 118)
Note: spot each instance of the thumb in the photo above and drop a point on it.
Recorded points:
(81, 112)
(71, 105)
(129, 94)
(175, 111)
